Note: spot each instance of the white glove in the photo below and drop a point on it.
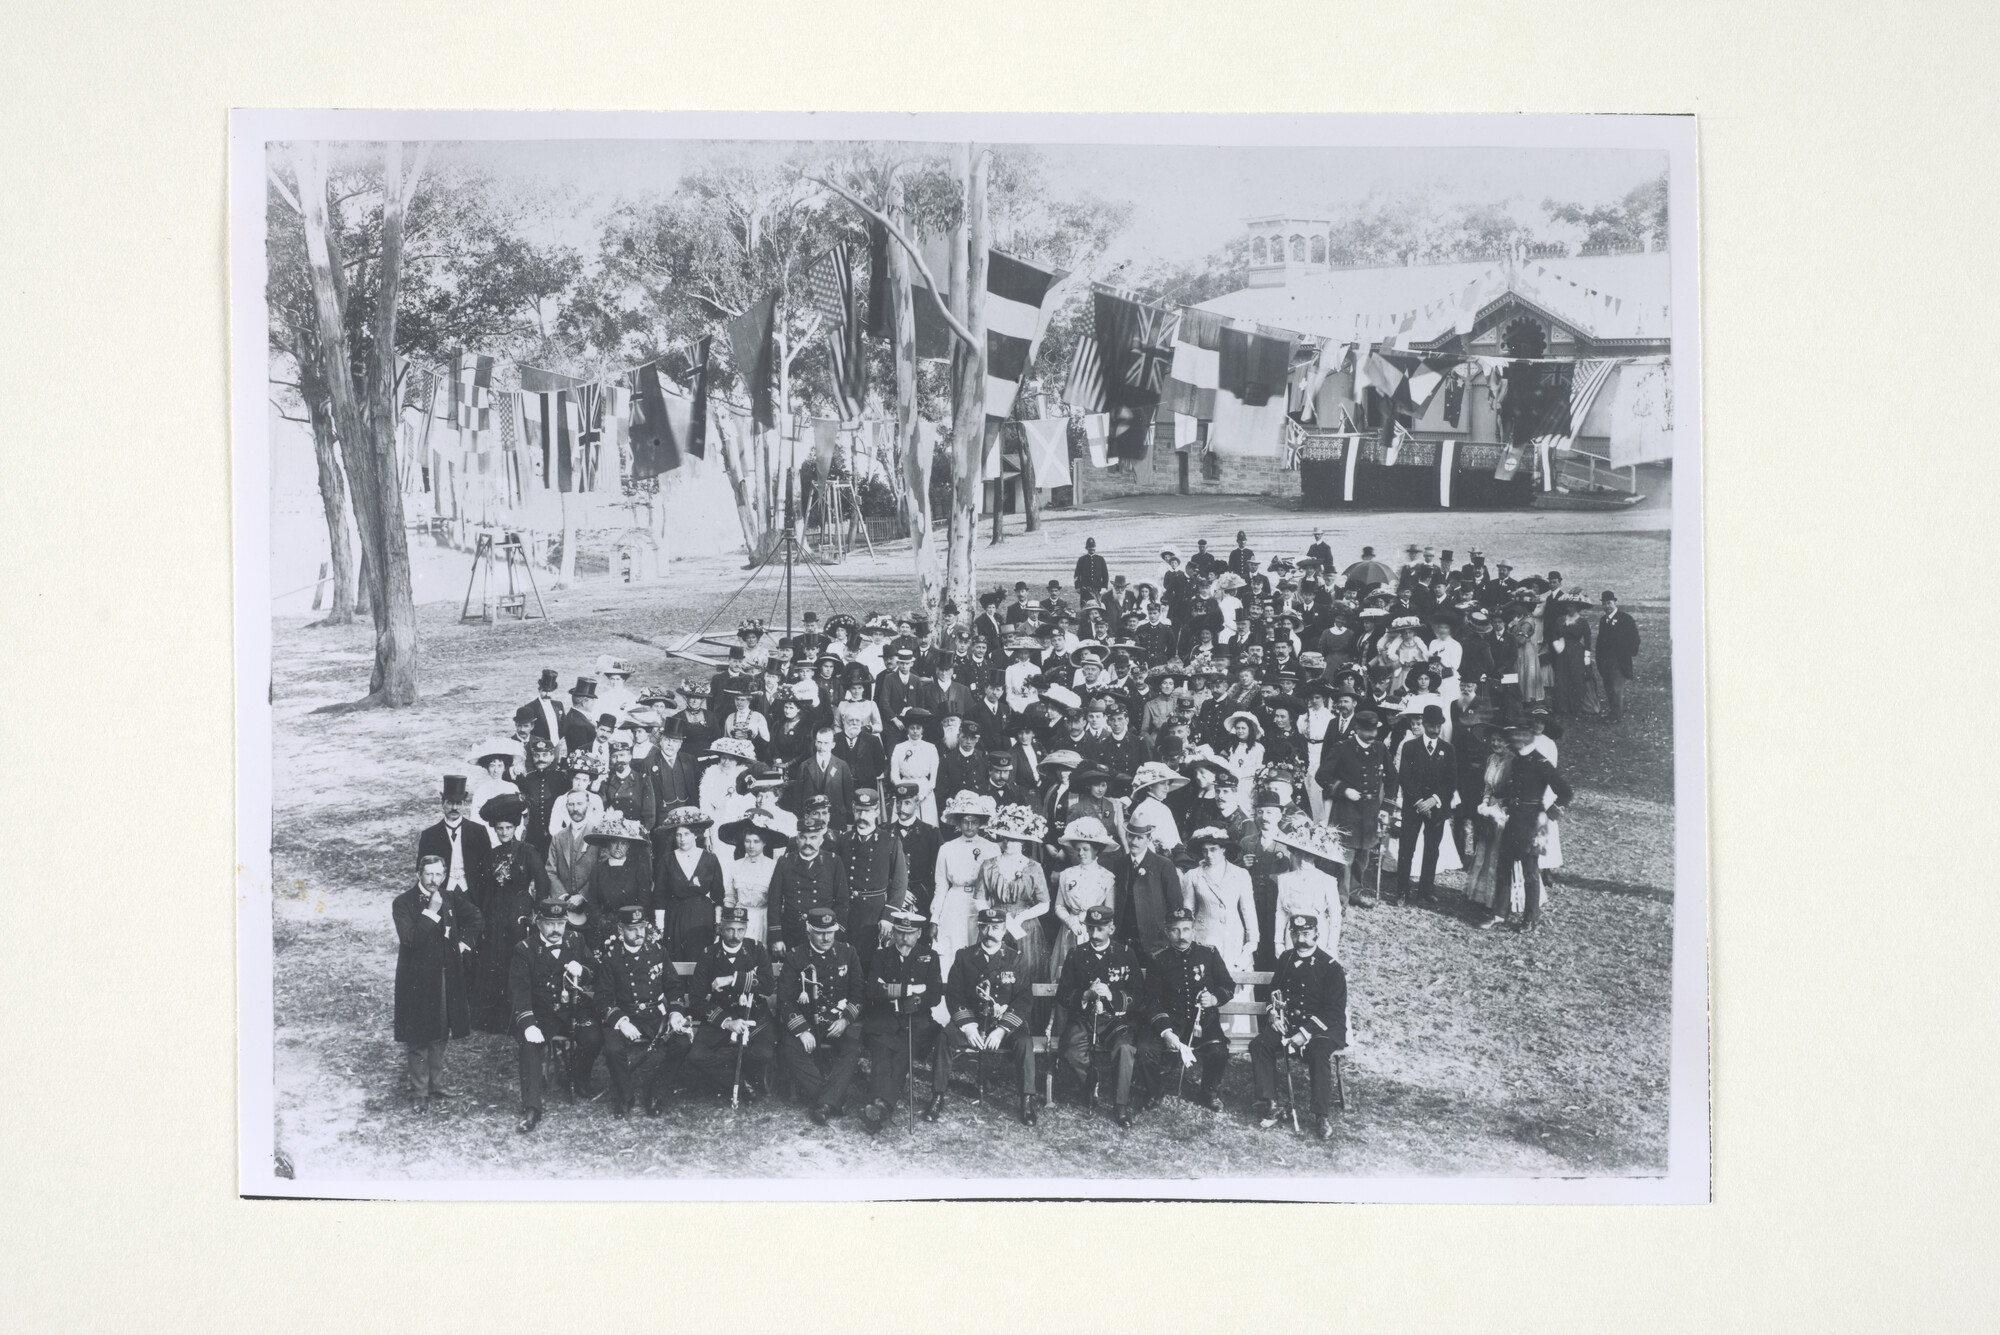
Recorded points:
(532, 1034)
(723, 982)
(913, 989)
(837, 1028)
(627, 1028)
(971, 1032)
(1187, 1053)
(993, 1040)
(574, 968)
(1351, 794)
(807, 1041)
(660, 919)
(678, 1023)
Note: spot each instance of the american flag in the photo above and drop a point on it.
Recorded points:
(832, 278)
(1085, 388)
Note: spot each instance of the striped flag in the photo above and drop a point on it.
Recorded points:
(1196, 373)
(1017, 314)
(550, 427)
(834, 296)
(1085, 388)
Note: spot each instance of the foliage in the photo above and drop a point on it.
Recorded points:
(1640, 214)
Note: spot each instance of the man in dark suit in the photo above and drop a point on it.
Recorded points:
(435, 932)
(986, 626)
(1355, 775)
(543, 714)
(878, 873)
(1204, 564)
(863, 754)
(1617, 646)
(543, 785)
(1018, 611)
(824, 774)
(579, 721)
(946, 695)
(920, 847)
(1320, 552)
(1426, 776)
(897, 690)
(464, 845)
(1092, 576)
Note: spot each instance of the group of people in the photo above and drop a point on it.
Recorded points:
(872, 839)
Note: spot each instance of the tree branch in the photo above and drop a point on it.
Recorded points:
(959, 331)
(284, 191)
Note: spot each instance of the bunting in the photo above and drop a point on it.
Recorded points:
(1085, 387)
(654, 448)
(1196, 372)
(756, 358)
(1017, 314)
(1135, 341)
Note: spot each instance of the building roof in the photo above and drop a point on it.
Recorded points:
(1606, 298)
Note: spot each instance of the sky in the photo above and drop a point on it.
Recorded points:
(1186, 200)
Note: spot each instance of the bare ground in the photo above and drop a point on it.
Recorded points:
(1476, 1052)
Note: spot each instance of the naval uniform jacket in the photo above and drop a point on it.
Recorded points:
(988, 989)
(1176, 979)
(542, 789)
(897, 985)
(1116, 966)
(638, 985)
(545, 992)
(878, 873)
(1315, 991)
(818, 986)
(797, 887)
(920, 851)
(717, 961)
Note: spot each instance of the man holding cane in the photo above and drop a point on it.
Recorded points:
(549, 989)
(645, 1011)
(1098, 994)
(1189, 983)
(904, 980)
(1308, 1019)
(732, 990)
(990, 995)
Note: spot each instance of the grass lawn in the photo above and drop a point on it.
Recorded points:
(1475, 1052)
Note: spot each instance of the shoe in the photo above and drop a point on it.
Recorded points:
(621, 1110)
(529, 1121)
(1491, 923)
(1325, 1128)
(1364, 901)
(934, 1107)
(818, 1114)
(420, 1105)
(1027, 1110)
(1122, 1115)
(443, 1092)
(1267, 1116)
(1206, 1099)
(652, 1107)
(874, 1116)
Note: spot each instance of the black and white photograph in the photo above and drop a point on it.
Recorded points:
(868, 657)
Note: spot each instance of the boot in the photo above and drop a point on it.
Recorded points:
(1027, 1110)
(1123, 1116)
(934, 1107)
(530, 1119)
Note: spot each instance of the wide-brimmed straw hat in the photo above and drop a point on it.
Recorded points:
(1016, 821)
(1087, 830)
(620, 831)
(1153, 772)
(732, 832)
(1309, 837)
(965, 802)
(736, 748)
(1256, 724)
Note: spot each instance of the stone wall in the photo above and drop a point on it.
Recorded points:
(1208, 474)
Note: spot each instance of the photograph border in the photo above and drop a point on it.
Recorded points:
(1687, 1179)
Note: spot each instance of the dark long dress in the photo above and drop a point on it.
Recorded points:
(1572, 676)
(690, 904)
(433, 1002)
(520, 879)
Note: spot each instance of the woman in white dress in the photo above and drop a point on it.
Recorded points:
(1085, 886)
(496, 761)
(915, 760)
(1012, 881)
(1150, 786)
(718, 795)
(959, 863)
(1318, 718)
(747, 877)
(1225, 910)
(1245, 755)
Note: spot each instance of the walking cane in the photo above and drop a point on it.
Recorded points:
(910, 1058)
(1194, 1024)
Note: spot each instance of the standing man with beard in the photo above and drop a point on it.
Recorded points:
(919, 841)
(878, 874)
(544, 785)
(435, 929)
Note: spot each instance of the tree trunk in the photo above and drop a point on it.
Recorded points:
(365, 419)
(1031, 505)
(566, 572)
(332, 487)
(729, 446)
(916, 459)
(968, 426)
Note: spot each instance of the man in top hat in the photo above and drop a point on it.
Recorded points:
(1099, 993)
(676, 777)
(1617, 647)
(1320, 552)
(823, 774)
(463, 845)
(1186, 987)
(578, 725)
(643, 1007)
(733, 990)
(544, 713)
(904, 980)
(1529, 779)
(1355, 775)
(806, 878)
(1092, 576)
(810, 642)
(899, 688)
(1426, 778)
(735, 679)
(549, 986)
(1148, 887)
(990, 996)
(436, 930)
(819, 1013)
(990, 709)
(919, 841)
(878, 874)
(1309, 995)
